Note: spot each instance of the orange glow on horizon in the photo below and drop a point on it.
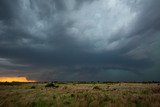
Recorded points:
(15, 79)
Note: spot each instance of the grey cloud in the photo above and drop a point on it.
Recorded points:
(82, 39)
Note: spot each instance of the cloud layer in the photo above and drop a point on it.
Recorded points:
(80, 39)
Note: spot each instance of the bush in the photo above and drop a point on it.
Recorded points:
(96, 88)
(33, 87)
(66, 102)
(156, 90)
(51, 85)
(65, 87)
(54, 96)
(10, 83)
(72, 95)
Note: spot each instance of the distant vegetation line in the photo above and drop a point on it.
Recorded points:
(76, 82)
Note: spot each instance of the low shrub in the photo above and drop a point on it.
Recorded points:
(51, 85)
(96, 88)
(72, 95)
(156, 90)
(33, 87)
(54, 97)
(65, 87)
(10, 83)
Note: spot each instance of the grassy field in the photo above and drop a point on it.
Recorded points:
(80, 95)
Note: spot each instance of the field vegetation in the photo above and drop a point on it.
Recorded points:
(79, 94)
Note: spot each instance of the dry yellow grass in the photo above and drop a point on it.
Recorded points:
(81, 95)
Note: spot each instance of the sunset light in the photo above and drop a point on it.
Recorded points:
(15, 79)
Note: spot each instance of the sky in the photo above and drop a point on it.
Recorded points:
(80, 40)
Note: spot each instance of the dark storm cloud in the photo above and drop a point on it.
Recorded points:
(80, 39)
(5, 10)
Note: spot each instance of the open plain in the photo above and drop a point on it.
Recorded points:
(80, 95)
